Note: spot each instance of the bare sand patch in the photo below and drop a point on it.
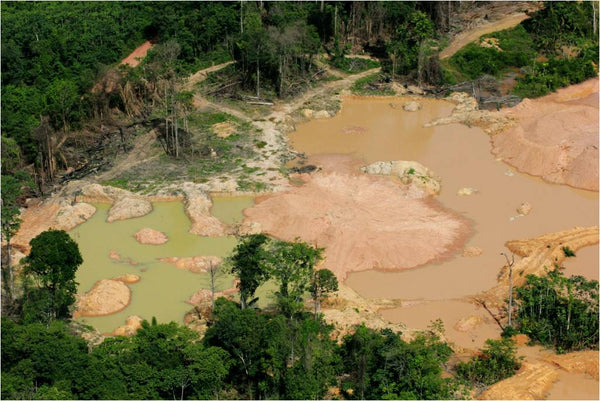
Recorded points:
(532, 382)
(135, 57)
(362, 221)
(556, 137)
(105, 298)
(150, 236)
(538, 256)
(195, 264)
(59, 214)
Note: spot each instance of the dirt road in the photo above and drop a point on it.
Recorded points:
(464, 38)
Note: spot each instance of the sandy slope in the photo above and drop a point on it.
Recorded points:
(363, 221)
(556, 137)
(134, 58)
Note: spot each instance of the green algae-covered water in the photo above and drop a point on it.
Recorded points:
(163, 288)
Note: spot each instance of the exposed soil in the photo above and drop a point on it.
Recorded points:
(105, 298)
(362, 221)
(464, 38)
(195, 264)
(135, 57)
(556, 137)
(539, 255)
(150, 236)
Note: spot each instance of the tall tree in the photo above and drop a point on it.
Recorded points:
(51, 264)
(323, 282)
(11, 189)
(248, 264)
(292, 264)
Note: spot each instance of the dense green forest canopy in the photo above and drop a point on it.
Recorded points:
(54, 53)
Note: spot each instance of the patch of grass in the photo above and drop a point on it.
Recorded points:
(554, 74)
(260, 144)
(118, 183)
(371, 85)
(353, 65)
(248, 185)
(515, 50)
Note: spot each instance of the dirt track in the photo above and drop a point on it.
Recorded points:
(464, 38)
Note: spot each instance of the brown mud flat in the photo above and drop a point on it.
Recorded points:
(362, 221)
(556, 137)
(466, 325)
(461, 157)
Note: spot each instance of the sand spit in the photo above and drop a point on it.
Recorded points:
(539, 254)
(532, 382)
(195, 264)
(197, 207)
(556, 137)
(131, 326)
(364, 222)
(106, 297)
(150, 236)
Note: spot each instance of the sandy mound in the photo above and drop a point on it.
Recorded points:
(197, 206)
(364, 222)
(418, 179)
(203, 297)
(128, 207)
(195, 264)
(132, 325)
(577, 362)
(125, 205)
(128, 278)
(105, 298)
(556, 137)
(346, 310)
(537, 255)
(532, 382)
(150, 236)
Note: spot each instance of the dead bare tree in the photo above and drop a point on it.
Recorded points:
(510, 264)
(213, 271)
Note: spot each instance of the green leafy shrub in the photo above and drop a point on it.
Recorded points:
(353, 65)
(370, 85)
(497, 361)
(568, 251)
(516, 50)
(554, 74)
(559, 311)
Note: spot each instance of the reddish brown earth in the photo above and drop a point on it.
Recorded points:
(150, 236)
(556, 137)
(137, 55)
(362, 221)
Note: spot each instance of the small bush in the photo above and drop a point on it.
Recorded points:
(569, 253)
(353, 65)
(554, 74)
(371, 85)
(497, 361)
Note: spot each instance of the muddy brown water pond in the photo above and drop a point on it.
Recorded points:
(378, 129)
(163, 289)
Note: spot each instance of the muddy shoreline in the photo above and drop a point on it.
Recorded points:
(199, 203)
